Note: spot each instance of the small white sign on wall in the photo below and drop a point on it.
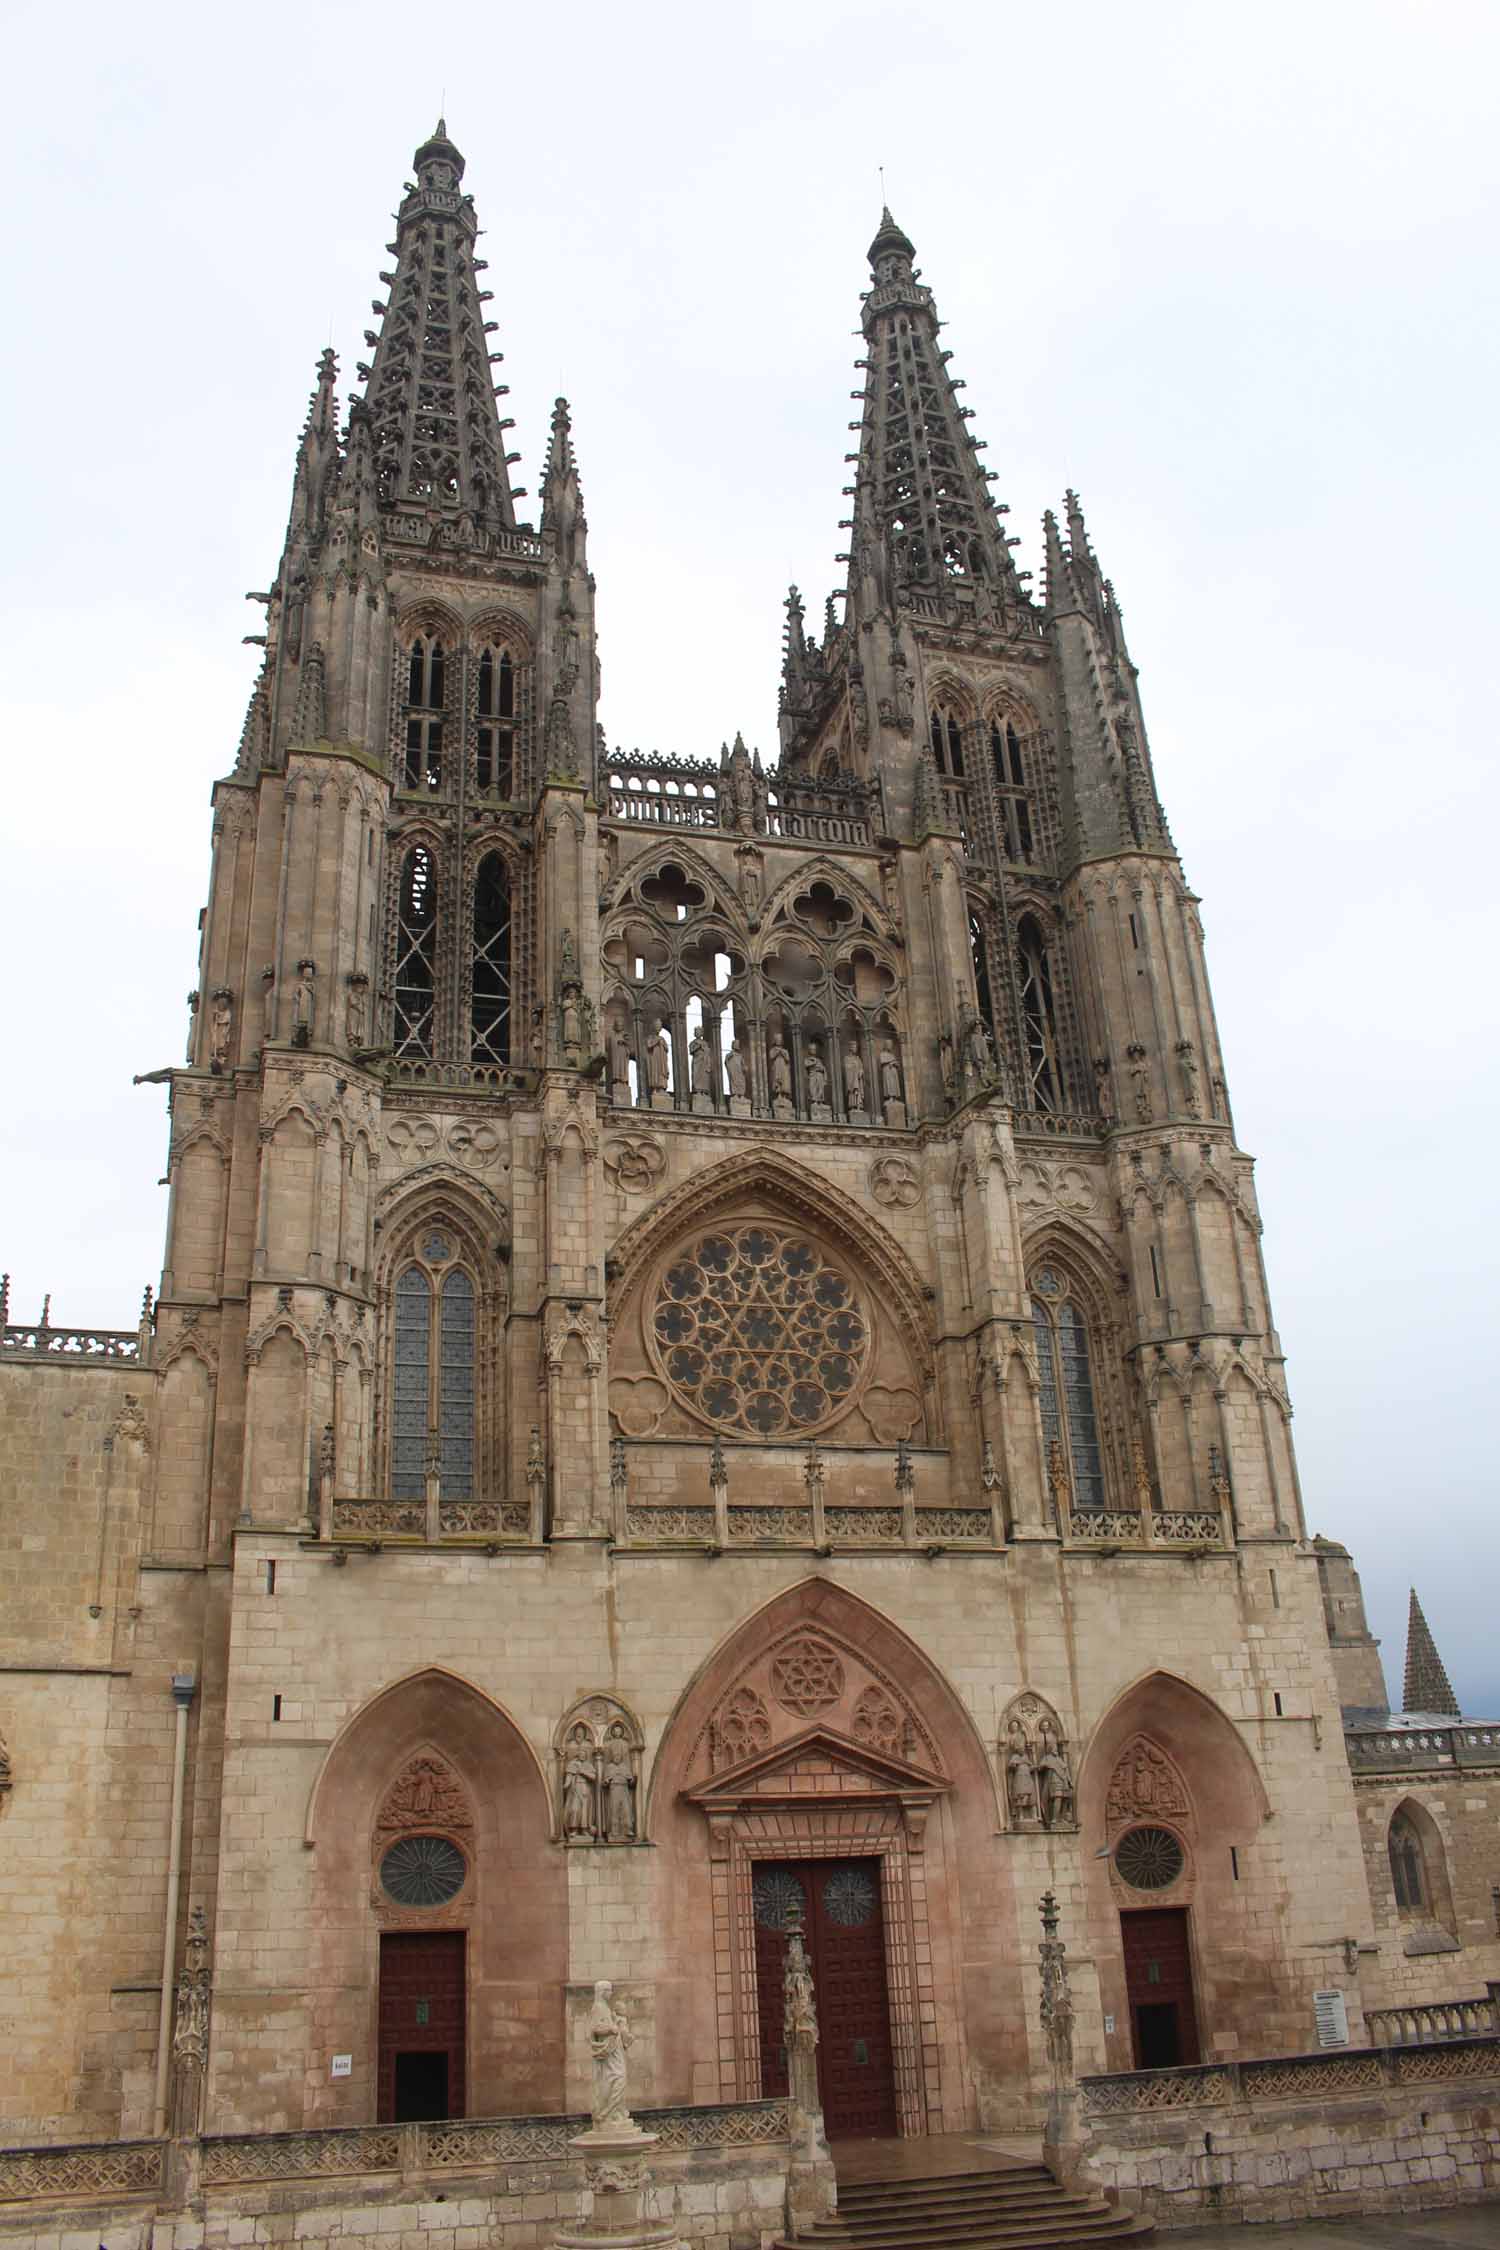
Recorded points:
(342, 2066)
(1109, 2024)
(1332, 2019)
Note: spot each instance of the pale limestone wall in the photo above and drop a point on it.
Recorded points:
(535, 1633)
(1315, 2159)
(1458, 1816)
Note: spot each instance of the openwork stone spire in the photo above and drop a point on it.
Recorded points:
(1426, 1687)
(919, 487)
(436, 432)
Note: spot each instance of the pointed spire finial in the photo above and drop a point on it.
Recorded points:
(1426, 1687)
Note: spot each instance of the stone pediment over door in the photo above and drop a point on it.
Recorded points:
(815, 1766)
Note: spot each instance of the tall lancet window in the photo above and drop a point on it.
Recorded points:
(415, 978)
(495, 736)
(426, 677)
(948, 743)
(491, 1000)
(1038, 1016)
(1408, 1874)
(1070, 1424)
(432, 1373)
(1012, 799)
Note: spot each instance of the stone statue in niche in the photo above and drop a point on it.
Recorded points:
(1192, 1096)
(1140, 1080)
(304, 1003)
(619, 1787)
(220, 1029)
(817, 1079)
(598, 1751)
(1020, 1777)
(700, 1067)
(978, 1054)
(355, 1033)
(610, 2038)
(854, 1079)
(619, 1057)
(580, 1815)
(780, 1065)
(735, 1072)
(658, 1067)
(1038, 1772)
(1104, 1090)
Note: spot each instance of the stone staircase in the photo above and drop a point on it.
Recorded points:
(1019, 2207)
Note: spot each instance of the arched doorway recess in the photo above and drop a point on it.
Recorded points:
(819, 1736)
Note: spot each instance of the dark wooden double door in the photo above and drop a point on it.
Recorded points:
(844, 1931)
(420, 2071)
(1159, 1987)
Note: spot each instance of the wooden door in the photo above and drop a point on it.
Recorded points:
(844, 1926)
(421, 2064)
(1159, 1987)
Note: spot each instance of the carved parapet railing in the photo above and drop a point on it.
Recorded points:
(1311, 2077)
(76, 2169)
(41, 1342)
(1401, 1749)
(229, 2158)
(1053, 1125)
(424, 1521)
(1436, 2020)
(751, 1527)
(663, 792)
(1185, 1529)
(458, 1078)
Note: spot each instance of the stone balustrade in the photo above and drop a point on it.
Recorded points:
(1289, 2077)
(35, 1341)
(1179, 1529)
(1428, 2024)
(1400, 1749)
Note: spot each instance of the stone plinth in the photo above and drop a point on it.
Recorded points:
(616, 2175)
(703, 1105)
(739, 1105)
(895, 1116)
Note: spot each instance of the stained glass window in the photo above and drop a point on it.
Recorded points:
(433, 1374)
(1149, 1859)
(1408, 1877)
(423, 1871)
(1069, 1418)
(757, 1329)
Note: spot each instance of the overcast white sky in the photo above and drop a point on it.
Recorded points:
(1228, 271)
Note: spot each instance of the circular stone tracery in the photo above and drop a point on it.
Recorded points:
(755, 1328)
(1149, 1859)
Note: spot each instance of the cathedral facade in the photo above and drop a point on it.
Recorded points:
(712, 1364)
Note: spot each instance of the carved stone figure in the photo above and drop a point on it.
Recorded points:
(610, 2038)
(1140, 1080)
(1020, 1776)
(1192, 1094)
(781, 1072)
(817, 1079)
(572, 1018)
(854, 1078)
(220, 1029)
(890, 1075)
(619, 1055)
(700, 1065)
(567, 958)
(735, 1072)
(304, 1002)
(658, 1061)
(354, 1015)
(1104, 1090)
(578, 1813)
(1054, 1778)
(618, 1782)
(979, 1055)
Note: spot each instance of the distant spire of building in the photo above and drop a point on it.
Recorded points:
(1426, 1687)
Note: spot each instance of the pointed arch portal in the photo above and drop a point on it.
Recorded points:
(819, 1753)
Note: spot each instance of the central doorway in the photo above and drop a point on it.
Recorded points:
(844, 1928)
(1159, 1987)
(421, 2063)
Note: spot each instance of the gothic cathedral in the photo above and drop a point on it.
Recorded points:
(713, 1368)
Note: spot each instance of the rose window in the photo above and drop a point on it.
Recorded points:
(806, 1676)
(1149, 1859)
(423, 1871)
(755, 1328)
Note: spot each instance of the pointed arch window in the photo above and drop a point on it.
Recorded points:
(1408, 1865)
(1012, 798)
(415, 968)
(426, 692)
(947, 743)
(979, 952)
(490, 1002)
(432, 1373)
(1038, 1016)
(1070, 1419)
(495, 733)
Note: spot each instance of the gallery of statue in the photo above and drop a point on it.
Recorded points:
(712, 1358)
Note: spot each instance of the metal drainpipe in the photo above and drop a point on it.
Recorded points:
(183, 1686)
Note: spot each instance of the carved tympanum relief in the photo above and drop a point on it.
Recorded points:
(597, 1759)
(812, 1678)
(1145, 1785)
(1036, 1767)
(427, 1793)
(422, 1844)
